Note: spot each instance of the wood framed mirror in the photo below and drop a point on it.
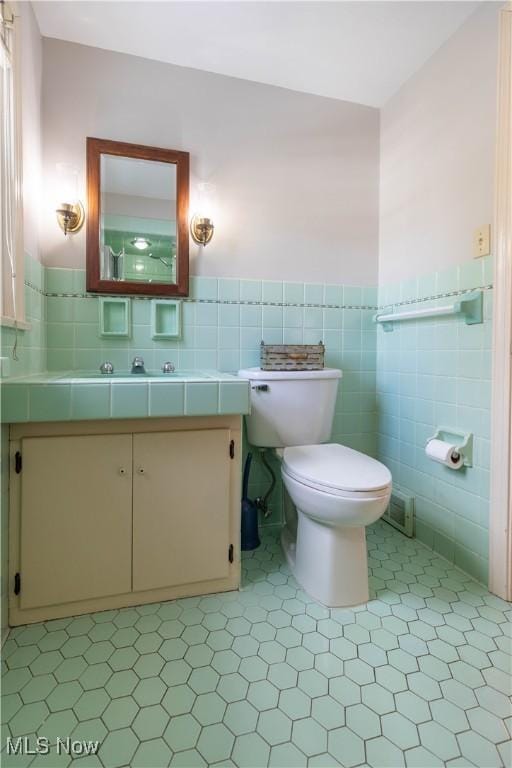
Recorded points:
(137, 219)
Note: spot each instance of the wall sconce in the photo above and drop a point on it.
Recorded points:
(70, 214)
(201, 224)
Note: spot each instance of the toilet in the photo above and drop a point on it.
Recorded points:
(336, 491)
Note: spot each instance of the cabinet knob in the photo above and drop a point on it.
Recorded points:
(122, 471)
(141, 470)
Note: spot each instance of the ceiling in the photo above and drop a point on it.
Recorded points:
(354, 51)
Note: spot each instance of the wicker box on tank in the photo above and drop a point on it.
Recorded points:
(292, 357)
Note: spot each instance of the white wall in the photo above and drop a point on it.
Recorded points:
(437, 154)
(296, 175)
(31, 84)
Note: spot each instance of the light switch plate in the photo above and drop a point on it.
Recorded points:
(482, 241)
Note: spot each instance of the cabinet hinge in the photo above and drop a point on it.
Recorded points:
(17, 584)
(232, 449)
(230, 553)
(18, 462)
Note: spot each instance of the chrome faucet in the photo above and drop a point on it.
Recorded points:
(138, 365)
(106, 368)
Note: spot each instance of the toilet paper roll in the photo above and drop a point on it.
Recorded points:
(445, 453)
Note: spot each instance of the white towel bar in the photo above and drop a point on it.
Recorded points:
(469, 305)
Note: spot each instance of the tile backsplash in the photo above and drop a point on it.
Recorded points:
(224, 321)
(437, 373)
(397, 387)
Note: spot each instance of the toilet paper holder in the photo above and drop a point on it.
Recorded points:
(463, 442)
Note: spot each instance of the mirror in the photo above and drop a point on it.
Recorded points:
(137, 235)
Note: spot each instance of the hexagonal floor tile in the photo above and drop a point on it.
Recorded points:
(118, 748)
(346, 747)
(250, 751)
(241, 717)
(209, 708)
(215, 743)
(309, 736)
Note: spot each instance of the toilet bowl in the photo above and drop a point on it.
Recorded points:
(336, 490)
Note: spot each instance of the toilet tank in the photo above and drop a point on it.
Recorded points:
(291, 407)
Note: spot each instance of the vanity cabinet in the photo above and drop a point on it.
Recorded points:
(76, 528)
(146, 511)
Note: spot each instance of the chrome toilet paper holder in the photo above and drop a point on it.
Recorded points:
(463, 442)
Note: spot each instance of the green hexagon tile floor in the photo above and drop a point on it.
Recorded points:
(420, 676)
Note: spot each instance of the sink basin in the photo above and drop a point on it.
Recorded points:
(127, 376)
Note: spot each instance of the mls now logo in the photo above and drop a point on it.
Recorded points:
(42, 746)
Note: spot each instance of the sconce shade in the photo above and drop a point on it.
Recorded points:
(201, 229)
(70, 217)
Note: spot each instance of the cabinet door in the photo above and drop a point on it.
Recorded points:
(76, 518)
(180, 507)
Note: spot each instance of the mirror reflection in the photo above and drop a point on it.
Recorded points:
(137, 220)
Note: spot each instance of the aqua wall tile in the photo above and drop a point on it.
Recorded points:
(206, 337)
(14, 401)
(207, 314)
(447, 280)
(272, 291)
(79, 277)
(229, 360)
(272, 317)
(204, 288)
(250, 338)
(60, 335)
(206, 358)
(90, 401)
(201, 399)
(293, 293)
(60, 280)
(142, 337)
(313, 317)
(250, 316)
(59, 309)
(313, 293)
(332, 318)
(229, 337)
(129, 400)
(426, 285)
(293, 335)
(370, 295)
(229, 289)
(229, 315)
(233, 397)
(60, 359)
(437, 366)
(272, 335)
(250, 290)
(293, 317)
(84, 310)
(249, 358)
(86, 335)
(49, 402)
(471, 274)
(141, 312)
(352, 295)
(165, 400)
(333, 294)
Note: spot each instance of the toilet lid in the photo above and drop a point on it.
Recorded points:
(335, 466)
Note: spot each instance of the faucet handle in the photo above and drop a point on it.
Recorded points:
(168, 367)
(137, 360)
(106, 367)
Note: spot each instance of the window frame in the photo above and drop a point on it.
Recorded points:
(12, 283)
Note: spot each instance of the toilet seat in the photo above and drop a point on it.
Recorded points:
(337, 470)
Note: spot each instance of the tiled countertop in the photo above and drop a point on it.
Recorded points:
(76, 395)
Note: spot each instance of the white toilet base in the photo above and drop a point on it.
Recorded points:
(330, 563)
